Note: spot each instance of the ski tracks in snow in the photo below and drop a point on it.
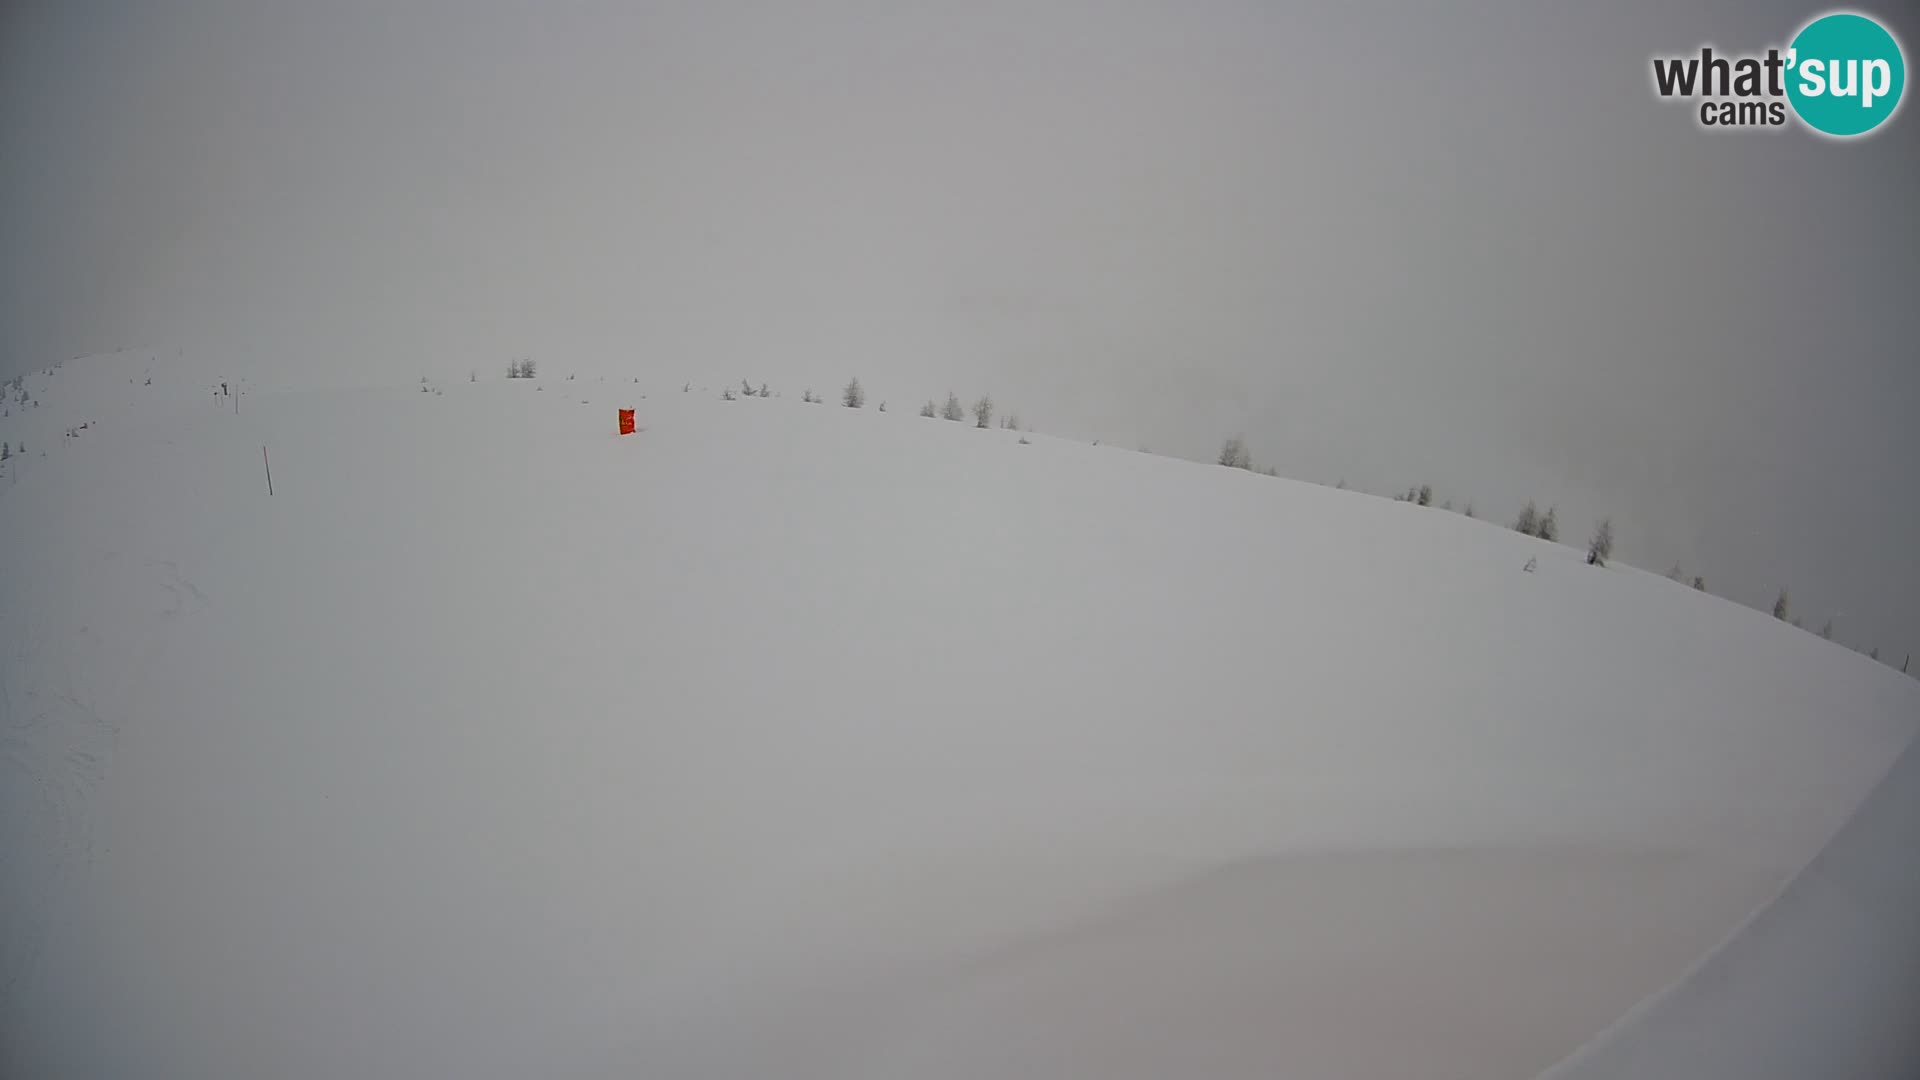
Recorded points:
(55, 747)
(54, 754)
(184, 597)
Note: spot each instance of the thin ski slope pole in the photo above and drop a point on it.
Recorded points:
(269, 464)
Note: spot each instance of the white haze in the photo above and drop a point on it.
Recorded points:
(1390, 244)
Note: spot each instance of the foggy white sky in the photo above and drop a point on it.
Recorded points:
(1389, 243)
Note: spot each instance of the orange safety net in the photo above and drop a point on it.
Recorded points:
(626, 421)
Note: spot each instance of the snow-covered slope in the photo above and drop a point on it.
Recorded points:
(784, 739)
(1824, 981)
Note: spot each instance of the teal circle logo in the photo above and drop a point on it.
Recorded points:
(1845, 74)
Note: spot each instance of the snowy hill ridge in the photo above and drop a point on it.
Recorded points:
(788, 739)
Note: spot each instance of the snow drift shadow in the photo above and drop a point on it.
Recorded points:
(1824, 981)
(1420, 963)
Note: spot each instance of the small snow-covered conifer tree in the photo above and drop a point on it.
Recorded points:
(1600, 548)
(1233, 454)
(1549, 526)
(1529, 520)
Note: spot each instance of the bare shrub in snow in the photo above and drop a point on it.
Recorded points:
(1425, 495)
(1528, 521)
(1699, 583)
(983, 412)
(1780, 605)
(853, 397)
(953, 410)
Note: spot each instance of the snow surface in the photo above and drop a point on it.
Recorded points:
(1824, 981)
(785, 739)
